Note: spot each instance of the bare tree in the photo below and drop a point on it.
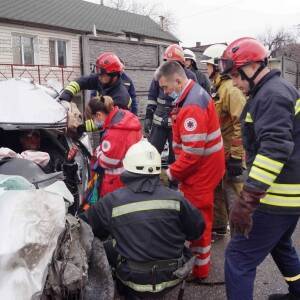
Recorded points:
(119, 4)
(277, 41)
(152, 9)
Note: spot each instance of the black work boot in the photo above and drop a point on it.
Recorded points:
(283, 297)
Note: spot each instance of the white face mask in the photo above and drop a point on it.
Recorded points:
(174, 95)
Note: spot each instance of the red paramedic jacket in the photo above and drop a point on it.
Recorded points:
(122, 129)
(197, 141)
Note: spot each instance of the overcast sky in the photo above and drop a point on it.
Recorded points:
(224, 20)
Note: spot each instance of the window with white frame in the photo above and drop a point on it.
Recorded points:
(58, 52)
(23, 49)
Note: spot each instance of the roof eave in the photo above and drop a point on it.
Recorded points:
(153, 37)
(44, 26)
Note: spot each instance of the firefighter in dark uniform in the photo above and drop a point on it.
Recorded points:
(127, 81)
(149, 223)
(107, 81)
(90, 126)
(160, 105)
(267, 211)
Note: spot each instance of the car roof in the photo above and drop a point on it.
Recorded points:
(25, 105)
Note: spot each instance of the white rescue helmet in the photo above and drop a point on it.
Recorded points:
(142, 158)
(189, 54)
(213, 53)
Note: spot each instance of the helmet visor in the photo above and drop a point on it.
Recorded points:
(100, 70)
(226, 66)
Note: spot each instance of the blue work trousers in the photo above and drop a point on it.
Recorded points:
(271, 233)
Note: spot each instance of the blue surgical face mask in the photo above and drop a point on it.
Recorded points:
(174, 95)
(98, 124)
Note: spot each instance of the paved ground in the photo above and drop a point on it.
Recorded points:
(268, 279)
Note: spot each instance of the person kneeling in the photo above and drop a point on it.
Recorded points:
(149, 224)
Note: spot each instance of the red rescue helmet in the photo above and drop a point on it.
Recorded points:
(174, 52)
(242, 52)
(109, 63)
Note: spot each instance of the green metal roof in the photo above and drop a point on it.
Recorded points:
(78, 15)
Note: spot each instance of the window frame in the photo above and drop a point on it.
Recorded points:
(56, 57)
(22, 54)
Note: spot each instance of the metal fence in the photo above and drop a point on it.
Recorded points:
(40, 73)
(290, 69)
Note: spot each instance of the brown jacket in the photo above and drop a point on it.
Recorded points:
(229, 102)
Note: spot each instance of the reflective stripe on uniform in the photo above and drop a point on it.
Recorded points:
(150, 287)
(248, 118)
(129, 103)
(145, 205)
(198, 137)
(108, 160)
(175, 145)
(90, 126)
(202, 262)
(261, 175)
(281, 200)
(151, 102)
(291, 279)
(203, 151)
(213, 149)
(213, 135)
(193, 150)
(161, 101)
(194, 137)
(284, 189)
(297, 107)
(268, 163)
(158, 120)
(73, 87)
(201, 250)
(116, 171)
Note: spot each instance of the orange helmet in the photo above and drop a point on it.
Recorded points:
(108, 63)
(174, 52)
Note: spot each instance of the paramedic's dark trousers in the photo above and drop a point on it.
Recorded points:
(158, 137)
(270, 234)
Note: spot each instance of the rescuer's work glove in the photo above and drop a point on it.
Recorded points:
(240, 215)
(66, 96)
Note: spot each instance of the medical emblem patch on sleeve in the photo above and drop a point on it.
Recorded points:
(190, 124)
(105, 145)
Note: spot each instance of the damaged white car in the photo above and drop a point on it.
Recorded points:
(45, 252)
